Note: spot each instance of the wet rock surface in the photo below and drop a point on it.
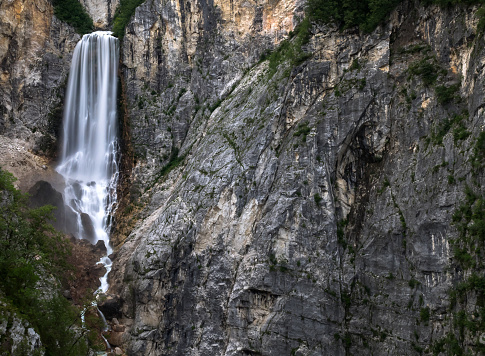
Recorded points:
(110, 306)
(83, 280)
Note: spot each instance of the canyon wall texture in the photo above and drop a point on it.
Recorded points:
(101, 11)
(300, 205)
(35, 55)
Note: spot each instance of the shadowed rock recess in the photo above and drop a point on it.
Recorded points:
(285, 189)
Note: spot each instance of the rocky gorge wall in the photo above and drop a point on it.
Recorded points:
(299, 209)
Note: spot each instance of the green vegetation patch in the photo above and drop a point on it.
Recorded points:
(341, 225)
(317, 198)
(469, 219)
(303, 131)
(427, 69)
(446, 94)
(478, 152)
(72, 12)
(174, 162)
(31, 248)
(424, 314)
(367, 14)
(290, 50)
(459, 132)
(123, 14)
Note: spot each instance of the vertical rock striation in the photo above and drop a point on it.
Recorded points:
(301, 211)
(101, 11)
(35, 52)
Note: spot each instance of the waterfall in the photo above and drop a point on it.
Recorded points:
(88, 159)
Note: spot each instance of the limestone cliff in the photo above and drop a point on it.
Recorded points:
(35, 54)
(301, 206)
(101, 11)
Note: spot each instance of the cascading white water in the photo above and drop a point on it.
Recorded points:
(88, 158)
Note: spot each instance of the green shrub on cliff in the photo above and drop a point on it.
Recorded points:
(123, 14)
(348, 13)
(72, 12)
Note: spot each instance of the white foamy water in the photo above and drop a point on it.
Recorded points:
(88, 159)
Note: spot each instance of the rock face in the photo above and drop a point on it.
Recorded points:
(101, 11)
(304, 208)
(18, 338)
(179, 59)
(83, 280)
(35, 54)
(28, 167)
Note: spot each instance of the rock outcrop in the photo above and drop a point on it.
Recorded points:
(35, 54)
(82, 280)
(18, 337)
(101, 11)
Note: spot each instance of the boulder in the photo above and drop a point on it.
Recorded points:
(42, 193)
(114, 338)
(118, 328)
(88, 228)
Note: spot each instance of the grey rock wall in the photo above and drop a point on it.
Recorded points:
(101, 11)
(309, 212)
(306, 211)
(35, 55)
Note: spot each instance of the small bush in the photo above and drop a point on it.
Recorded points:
(72, 12)
(174, 162)
(384, 186)
(426, 70)
(446, 94)
(355, 65)
(413, 283)
(424, 314)
(459, 133)
(123, 14)
(317, 198)
(341, 233)
(303, 131)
